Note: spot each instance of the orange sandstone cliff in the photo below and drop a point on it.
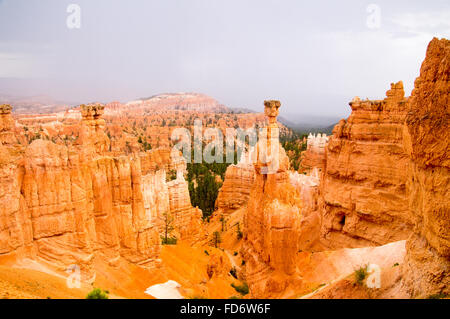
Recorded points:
(364, 184)
(427, 134)
(385, 179)
(236, 187)
(68, 205)
(315, 154)
(74, 193)
(271, 221)
(6, 125)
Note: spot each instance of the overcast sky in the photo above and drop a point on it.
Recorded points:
(312, 55)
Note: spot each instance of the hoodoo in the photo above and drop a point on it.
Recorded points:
(66, 205)
(6, 125)
(272, 217)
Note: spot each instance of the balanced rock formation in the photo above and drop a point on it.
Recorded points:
(427, 134)
(272, 218)
(364, 184)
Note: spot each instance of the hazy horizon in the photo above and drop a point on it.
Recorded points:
(314, 57)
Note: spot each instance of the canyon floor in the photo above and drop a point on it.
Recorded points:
(325, 274)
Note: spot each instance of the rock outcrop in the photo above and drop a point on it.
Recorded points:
(364, 184)
(236, 187)
(169, 102)
(272, 218)
(92, 131)
(6, 125)
(315, 156)
(308, 186)
(427, 134)
(187, 219)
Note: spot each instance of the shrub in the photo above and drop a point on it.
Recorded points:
(197, 297)
(169, 240)
(235, 253)
(233, 272)
(242, 289)
(239, 232)
(216, 239)
(97, 293)
(172, 175)
(361, 274)
(437, 296)
(223, 221)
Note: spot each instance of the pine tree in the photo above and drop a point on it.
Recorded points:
(216, 239)
(167, 219)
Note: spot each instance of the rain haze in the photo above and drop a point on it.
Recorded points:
(314, 56)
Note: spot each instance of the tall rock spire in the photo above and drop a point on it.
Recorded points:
(6, 125)
(272, 218)
(426, 270)
(93, 127)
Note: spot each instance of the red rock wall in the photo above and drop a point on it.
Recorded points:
(6, 125)
(236, 187)
(427, 134)
(68, 204)
(364, 182)
(187, 219)
(75, 210)
(271, 229)
(315, 154)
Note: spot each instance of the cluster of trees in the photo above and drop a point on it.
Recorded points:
(203, 188)
(98, 293)
(203, 184)
(294, 146)
(171, 175)
(198, 169)
(146, 146)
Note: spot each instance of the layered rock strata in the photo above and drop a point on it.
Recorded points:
(308, 186)
(187, 219)
(236, 187)
(426, 270)
(272, 218)
(67, 205)
(364, 184)
(315, 156)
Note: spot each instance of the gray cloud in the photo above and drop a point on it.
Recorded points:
(313, 56)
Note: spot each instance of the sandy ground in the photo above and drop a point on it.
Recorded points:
(32, 284)
(333, 271)
(182, 263)
(202, 271)
(167, 290)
